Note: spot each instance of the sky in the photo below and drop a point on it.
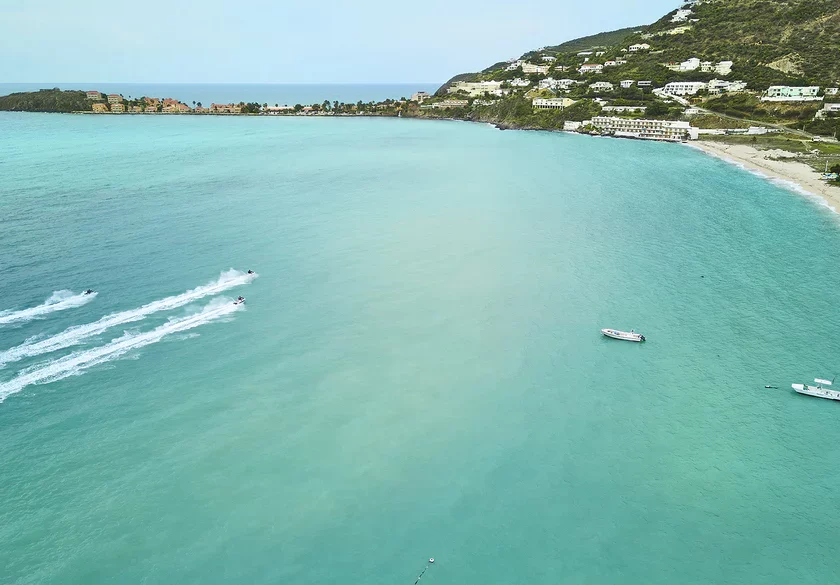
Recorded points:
(264, 41)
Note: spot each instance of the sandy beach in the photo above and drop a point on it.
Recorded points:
(767, 163)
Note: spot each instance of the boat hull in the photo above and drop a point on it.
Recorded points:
(816, 391)
(623, 335)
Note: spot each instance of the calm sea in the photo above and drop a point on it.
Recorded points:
(417, 371)
(270, 93)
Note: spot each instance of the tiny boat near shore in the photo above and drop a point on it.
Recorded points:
(818, 391)
(623, 335)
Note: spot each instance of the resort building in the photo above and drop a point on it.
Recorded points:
(601, 86)
(93, 95)
(722, 68)
(670, 130)
(627, 83)
(117, 108)
(420, 96)
(585, 54)
(548, 58)
(832, 90)
(518, 82)
(638, 47)
(529, 68)
(476, 88)
(450, 104)
(150, 109)
(136, 109)
(100, 108)
(558, 84)
(719, 86)
(684, 87)
(624, 109)
(591, 68)
(514, 65)
(552, 103)
(645, 84)
(114, 98)
(786, 93)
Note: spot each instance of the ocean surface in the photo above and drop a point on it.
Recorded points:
(417, 371)
(270, 93)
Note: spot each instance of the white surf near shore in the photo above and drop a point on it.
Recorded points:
(79, 361)
(60, 300)
(78, 333)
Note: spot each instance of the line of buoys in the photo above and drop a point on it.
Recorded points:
(426, 568)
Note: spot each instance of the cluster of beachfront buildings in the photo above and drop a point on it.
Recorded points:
(114, 103)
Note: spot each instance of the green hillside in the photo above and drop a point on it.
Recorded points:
(45, 100)
(603, 39)
(770, 42)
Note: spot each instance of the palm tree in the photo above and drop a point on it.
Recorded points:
(326, 105)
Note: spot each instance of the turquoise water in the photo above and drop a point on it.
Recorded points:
(270, 93)
(418, 370)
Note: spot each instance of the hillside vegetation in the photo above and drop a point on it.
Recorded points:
(46, 100)
(771, 42)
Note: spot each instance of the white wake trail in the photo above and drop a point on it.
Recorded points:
(79, 361)
(60, 300)
(79, 333)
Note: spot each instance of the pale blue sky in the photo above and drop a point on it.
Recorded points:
(215, 41)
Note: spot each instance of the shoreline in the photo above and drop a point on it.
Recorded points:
(792, 174)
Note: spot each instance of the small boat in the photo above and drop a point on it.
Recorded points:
(624, 335)
(818, 391)
(239, 301)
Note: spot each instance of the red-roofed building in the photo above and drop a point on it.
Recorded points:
(114, 98)
(94, 95)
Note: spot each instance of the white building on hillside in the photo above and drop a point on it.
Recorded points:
(624, 109)
(420, 96)
(638, 47)
(552, 103)
(476, 88)
(591, 68)
(561, 84)
(786, 93)
(684, 87)
(681, 15)
(520, 82)
(548, 58)
(719, 86)
(670, 130)
(832, 90)
(529, 68)
(514, 65)
(601, 86)
(627, 83)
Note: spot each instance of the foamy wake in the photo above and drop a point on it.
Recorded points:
(60, 300)
(79, 361)
(78, 333)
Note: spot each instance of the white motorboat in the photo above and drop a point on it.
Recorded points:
(624, 335)
(818, 391)
(239, 301)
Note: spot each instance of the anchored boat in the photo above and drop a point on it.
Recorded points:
(624, 335)
(818, 391)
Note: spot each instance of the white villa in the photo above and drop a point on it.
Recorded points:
(639, 47)
(786, 93)
(591, 68)
(420, 96)
(551, 83)
(645, 84)
(548, 58)
(832, 90)
(718, 86)
(829, 109)
(624, 109)
(585, 53)
(681, 15)
(450, 104)
(684, 87)
(722, 68)
(670, 130)
(552, 103)
(531, 68)
(514, 65)
(518, 82)
(627, 83)
(601, 86)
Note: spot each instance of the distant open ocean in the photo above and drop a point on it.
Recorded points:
(418, 369)
(270, 93)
